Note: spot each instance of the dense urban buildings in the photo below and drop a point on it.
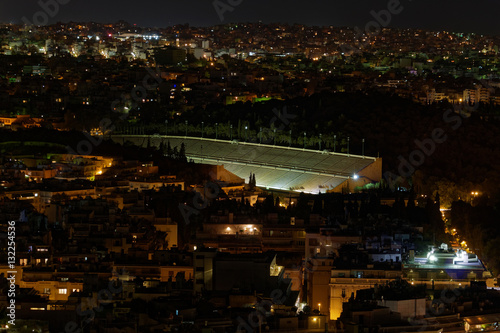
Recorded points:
(248, 177)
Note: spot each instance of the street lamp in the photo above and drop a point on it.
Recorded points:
(348, 140)
(319, 307)
(246, 133)
(474, 195)
(356, 177)
(334, 143)
(275, 136)
(260, 135)
(320, 141)
(363, 147)
(166, 127)
(202, 128)
(186, 128)
(290, 140)
(305, 134)
(231, 132)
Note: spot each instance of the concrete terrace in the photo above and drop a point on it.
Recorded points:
(275, 167)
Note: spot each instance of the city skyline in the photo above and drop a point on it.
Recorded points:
(200, 167)
(455, 16)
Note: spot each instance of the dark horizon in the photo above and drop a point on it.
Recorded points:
(446, 15)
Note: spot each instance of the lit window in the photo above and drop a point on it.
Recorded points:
(63, 291)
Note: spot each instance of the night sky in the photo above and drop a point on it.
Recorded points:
(478, 16)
